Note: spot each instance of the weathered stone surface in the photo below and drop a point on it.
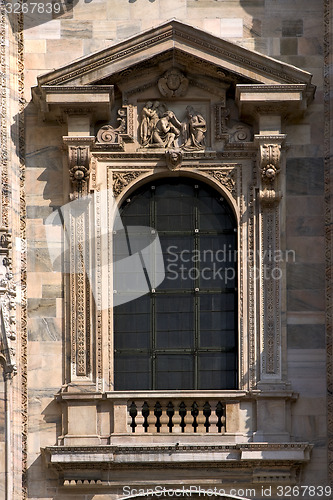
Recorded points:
(306, 336)
(288, 46)
(305, 176)
(41, 308)
(43, 328)
(305, 276)
(306, 300)
(292, 27)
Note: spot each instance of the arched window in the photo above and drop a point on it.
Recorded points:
(183, 334)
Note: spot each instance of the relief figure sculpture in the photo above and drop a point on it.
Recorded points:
(159, 127)
(149, 118)
(193, 130)
(166, 131)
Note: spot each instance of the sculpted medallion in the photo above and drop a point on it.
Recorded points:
(173, 83)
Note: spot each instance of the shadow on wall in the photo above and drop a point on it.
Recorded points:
(30, 14)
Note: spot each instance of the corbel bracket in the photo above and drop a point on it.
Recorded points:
(79, 162)
(269, 166)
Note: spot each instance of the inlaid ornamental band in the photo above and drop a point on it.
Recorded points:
(138, 266)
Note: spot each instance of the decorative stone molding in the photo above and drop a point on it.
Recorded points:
(57, 102)
(121, 179)
(226, 178)
(104, 458)
(238, 133)
(269, 196)
(269, 158)
(269, 166)
(270, 161)
(7, 305)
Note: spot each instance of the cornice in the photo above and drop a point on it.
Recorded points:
(169, 36)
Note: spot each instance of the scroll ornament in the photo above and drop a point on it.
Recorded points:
(239, 132)
(111, 135)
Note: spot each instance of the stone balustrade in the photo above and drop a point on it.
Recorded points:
(176, 416)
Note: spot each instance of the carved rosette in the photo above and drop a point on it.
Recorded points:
(270, 161)
(269, 166)
(79, 160)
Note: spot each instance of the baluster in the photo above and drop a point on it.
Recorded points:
(187, 419)
(213, 419)
(194, 413)
(163, 419)
(221, 417)
(170, 412)
(139, 419)
(145, 414)
(132, 412)
(153, 420)
(177, 420)
(201, 419)
(207, 413)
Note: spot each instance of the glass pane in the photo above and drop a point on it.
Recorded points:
(174, 371)
(174, 207)
(132, 324)
(180, 271)
(214, 214)
(132, 372)
(217, 371)
(217, 261)
(134, 212)
(174, 321)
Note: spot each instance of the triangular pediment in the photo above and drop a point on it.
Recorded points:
(185, 45)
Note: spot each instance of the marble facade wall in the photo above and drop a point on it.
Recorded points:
(289, 31)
